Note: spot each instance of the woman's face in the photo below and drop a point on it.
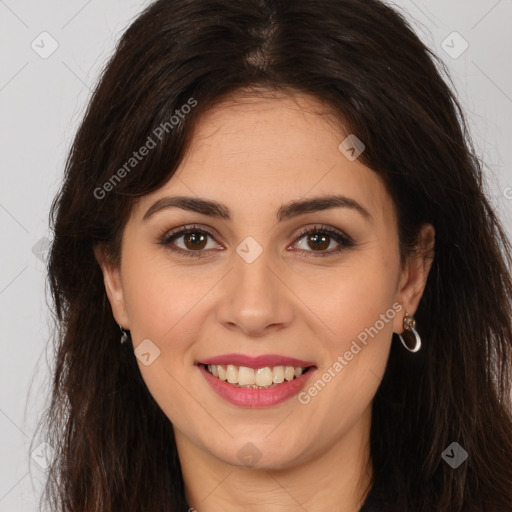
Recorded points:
(258, 286)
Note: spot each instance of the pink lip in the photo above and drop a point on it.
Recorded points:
(252, 398)
(256, 362)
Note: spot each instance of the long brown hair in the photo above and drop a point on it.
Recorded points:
(114, 446)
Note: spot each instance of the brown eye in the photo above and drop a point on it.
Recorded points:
(189, 241)
(195, 240)
(319, 242)
(320, 238)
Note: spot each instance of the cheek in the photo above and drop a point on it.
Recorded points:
(359, 314)
(354, 299)
(357, 306)
(158, 294)
(160, 300)
(149, 303)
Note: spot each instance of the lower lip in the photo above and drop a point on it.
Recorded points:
(248, 397)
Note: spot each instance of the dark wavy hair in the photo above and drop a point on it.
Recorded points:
(114, 446)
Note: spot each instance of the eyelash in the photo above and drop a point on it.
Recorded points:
(345, 241)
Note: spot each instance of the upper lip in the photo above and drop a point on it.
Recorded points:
(256, 362)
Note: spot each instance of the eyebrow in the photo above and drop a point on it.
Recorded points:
(285, 212)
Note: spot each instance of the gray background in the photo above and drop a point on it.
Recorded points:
(41, 103)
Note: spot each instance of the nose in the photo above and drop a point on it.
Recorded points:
(255, 299)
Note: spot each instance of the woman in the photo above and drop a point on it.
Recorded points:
(278, 282)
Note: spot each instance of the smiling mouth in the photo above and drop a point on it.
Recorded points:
(259, 378)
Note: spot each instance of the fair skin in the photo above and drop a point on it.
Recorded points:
(253, 157)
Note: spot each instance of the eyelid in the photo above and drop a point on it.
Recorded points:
(342, 239)
(189, 227)
(178, 232)
(323, 228)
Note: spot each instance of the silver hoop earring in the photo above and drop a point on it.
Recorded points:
(124, 336)
(410, 332)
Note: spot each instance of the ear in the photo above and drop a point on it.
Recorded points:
(414, 276)
(113, 286)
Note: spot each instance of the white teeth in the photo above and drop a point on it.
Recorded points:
(232, 374)
(245, 376)
(261, 377)
(222, 372)
(278, 375)
(289, 373)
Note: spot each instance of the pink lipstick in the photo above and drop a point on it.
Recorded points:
(263, 396)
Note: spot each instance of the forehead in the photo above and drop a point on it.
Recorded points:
(263, 151)
(273, 126)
